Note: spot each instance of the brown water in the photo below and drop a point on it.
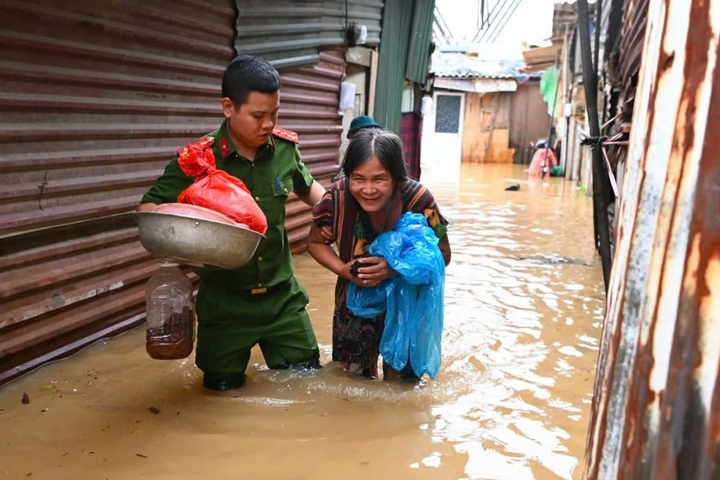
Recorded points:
(510, 403)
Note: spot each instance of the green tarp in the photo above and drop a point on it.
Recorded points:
(548, 88)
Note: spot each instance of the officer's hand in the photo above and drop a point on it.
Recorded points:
(374, 271)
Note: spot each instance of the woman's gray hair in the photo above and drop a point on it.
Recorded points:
(376, 142)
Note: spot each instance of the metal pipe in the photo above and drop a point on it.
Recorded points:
(598, 27)
(600, 203)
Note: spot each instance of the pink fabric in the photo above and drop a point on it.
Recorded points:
(538, 159)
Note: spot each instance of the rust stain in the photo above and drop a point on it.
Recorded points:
(686, 442)
(640, 402)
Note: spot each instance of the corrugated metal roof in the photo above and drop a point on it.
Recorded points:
(457, 65)
(288, 33)
(477, 85)
(420, 37)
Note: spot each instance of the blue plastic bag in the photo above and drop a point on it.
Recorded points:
(413, 300)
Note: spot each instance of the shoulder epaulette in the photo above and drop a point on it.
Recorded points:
(286, 135)
(203, 143)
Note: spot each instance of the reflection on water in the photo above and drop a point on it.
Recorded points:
(523, 311)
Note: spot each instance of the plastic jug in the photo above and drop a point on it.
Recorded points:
(170, 322)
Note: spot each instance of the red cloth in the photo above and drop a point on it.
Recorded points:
(410, 128)
(539, 158)
(218, 190)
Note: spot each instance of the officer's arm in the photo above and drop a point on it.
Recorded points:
(313, 196)
(306, 188)
(167, 188)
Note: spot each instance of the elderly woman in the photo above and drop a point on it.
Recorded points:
(375, 192)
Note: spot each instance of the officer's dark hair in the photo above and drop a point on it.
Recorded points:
(246, 74)
(375, 142)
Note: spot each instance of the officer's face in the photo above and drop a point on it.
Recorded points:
(253, 122)
(371, 185)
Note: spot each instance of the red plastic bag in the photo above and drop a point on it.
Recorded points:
(216, 189)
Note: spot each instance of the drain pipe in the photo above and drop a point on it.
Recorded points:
(600, 203)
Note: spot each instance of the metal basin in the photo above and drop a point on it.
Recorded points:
(196, 242)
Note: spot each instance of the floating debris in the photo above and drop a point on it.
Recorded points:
(154, 410)
(25, 399)
(555, 259)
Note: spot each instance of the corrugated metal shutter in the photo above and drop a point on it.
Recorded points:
(391, 65)
(94, 103)
(310, 104)
(289, 33)
(420, 38)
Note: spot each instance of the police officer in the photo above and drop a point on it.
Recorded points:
(262, 302)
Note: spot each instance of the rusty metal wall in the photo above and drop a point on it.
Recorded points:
(94, 103)
(310, 106)
(631, 43)
(291, 33)
(655, 412)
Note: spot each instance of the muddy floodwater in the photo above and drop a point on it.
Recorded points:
(523, 314)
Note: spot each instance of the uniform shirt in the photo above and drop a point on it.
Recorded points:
(276, 171)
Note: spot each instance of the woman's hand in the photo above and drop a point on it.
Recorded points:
(347, 273)
(374, 270)
(326, 234)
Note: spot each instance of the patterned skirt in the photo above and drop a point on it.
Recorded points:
(356, 341)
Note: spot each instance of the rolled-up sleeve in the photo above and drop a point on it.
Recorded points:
(302, 179)
(323, 214)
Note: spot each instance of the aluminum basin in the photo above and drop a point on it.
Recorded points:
(196, 242)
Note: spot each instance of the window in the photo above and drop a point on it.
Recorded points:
(447, 114)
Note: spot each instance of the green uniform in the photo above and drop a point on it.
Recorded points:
(260, 303)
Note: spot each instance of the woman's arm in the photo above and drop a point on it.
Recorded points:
(445, 249)
(323, 253)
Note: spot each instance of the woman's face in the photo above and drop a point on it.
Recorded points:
(372, 185)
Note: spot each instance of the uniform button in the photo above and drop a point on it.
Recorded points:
(259, 284)
(257, 199)
(260, 259)
(286, 191)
